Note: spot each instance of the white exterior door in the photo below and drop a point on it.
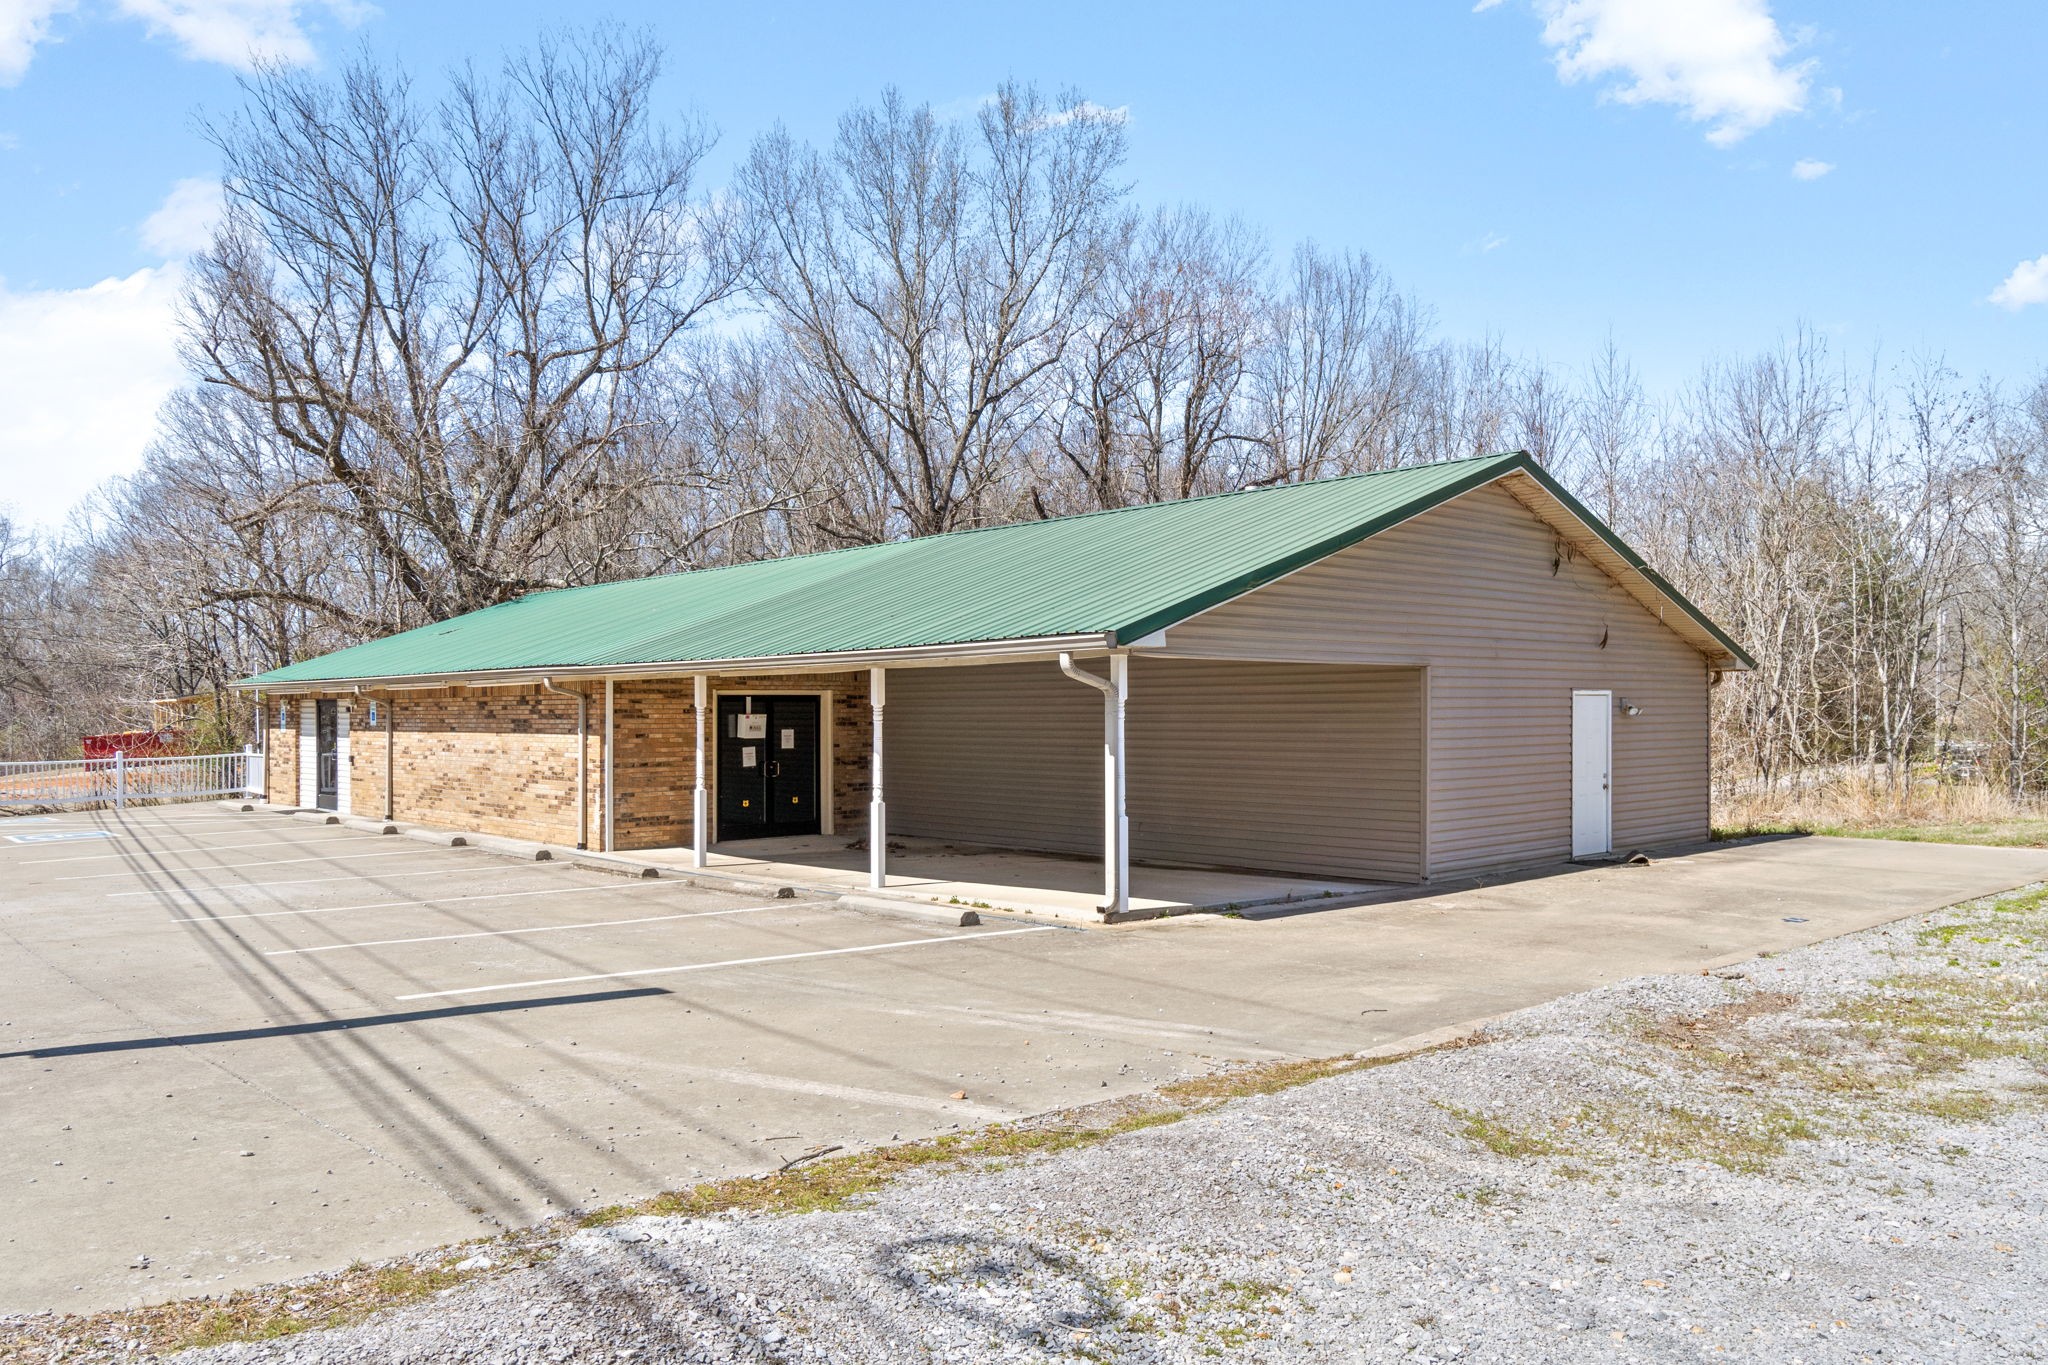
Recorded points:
(1592, 773)
(309, 753)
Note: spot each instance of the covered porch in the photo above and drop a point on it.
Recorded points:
(1092, 787)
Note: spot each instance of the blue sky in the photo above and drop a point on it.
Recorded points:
(1544, 171)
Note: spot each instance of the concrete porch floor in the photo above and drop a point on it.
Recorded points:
(1050, 884)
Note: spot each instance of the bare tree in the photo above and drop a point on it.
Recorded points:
(2011, 549)
(1341, 370)
(1613, 430)
(928, 278)
(1153, 402)
(449, 316)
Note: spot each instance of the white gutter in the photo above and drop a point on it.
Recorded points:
(1116, 825)
(982, 651)
(582, 758)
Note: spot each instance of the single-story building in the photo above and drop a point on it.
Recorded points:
(1390, 677)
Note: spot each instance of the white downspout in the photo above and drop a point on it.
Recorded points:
(878, 810)
(582, 757)
(1116, 829)
(700, 802)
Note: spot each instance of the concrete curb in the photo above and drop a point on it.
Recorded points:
(624, 867)
(928, 911)
(1422, 1042)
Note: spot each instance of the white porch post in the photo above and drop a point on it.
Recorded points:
(878, 813)
(1117, 848)
(700, 801)
(610, 806)
(1116, 825)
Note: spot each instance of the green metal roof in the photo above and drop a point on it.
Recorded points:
(1120, 574)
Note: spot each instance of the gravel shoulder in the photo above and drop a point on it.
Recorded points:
(1833, 1154)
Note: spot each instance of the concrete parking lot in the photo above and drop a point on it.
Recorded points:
(242, 1047)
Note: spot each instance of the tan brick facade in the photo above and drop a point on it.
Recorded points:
(503, 761)
(281, 761)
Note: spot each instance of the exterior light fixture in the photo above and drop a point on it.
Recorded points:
(1627, 707)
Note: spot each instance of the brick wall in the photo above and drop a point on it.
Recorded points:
(281, 769)
(503, 761)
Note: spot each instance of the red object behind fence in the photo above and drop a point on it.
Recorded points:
(134, 743)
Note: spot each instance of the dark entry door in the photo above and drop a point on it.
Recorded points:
(326, 724)
(767, 766)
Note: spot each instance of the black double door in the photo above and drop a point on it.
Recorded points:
(767, 766)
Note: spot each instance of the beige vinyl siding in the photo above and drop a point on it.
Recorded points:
(1300, 767)
(1297, 767)
(1508, 622)
(1005, 754)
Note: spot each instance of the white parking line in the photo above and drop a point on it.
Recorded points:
(187, 852)
(353, 877)
(544, 929)
(729, 962)
(147, 822)
(441, 900)
(267, 862)
(152, 826)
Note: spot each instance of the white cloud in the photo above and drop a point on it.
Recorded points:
(233, 32)
(185, 221)
(1492, 241)
(1088, 110)
(1806, 168)
(237, 33)
(1484, 5)
(82, 373)
(1720, 61)
(23, 25)
(2027, 284)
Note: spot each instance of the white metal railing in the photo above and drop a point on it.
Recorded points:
(118, 780)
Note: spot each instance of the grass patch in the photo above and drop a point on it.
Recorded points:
(837, 1182)
(1956, 1106)
(1935, 1022)
(1500, 1137)
(1745, 1142)
(264, 1314)
(1863, 804)
(1992, 833)
(1194, 1313)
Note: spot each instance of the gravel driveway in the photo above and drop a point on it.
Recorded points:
(1834, 1154)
